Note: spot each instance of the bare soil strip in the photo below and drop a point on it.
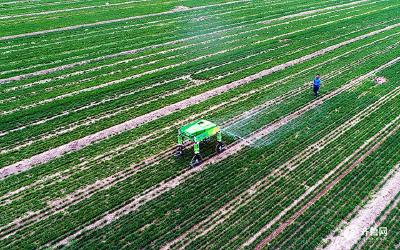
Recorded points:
(42, 32)
(128, 52)
(166, 186)
(377, 223)
(131, 124)
(366, 217)
(287, 223)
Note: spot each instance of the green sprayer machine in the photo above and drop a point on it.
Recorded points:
(198, 132)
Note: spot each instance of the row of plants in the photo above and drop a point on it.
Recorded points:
(133, 34)
(124, 138)
(122, 107)
(273, 199)
(127, 188)
(91, 16)
(180, 97)
(189, 203)
(37, 7)
(202, 39)
(330, 210)
(262, 97)
(251, 215)
(226, 38)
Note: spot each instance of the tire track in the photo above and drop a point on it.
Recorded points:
(349, 216)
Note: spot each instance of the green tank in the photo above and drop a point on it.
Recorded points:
(196, 132)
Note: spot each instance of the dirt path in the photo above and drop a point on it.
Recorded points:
(131, 124)
(304, 208)
(381, 219)
(366, 217)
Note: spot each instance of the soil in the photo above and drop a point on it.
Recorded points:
(380, 80)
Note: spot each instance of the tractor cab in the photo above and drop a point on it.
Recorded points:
(196, 132)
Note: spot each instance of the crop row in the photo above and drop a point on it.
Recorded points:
(231, 209)
(200, 47)
(240, 224)
(249, 33)
(392, 224)
(138, 35)
(212, 185)
(168, 166)
(256, 101)
(48, 190)
(101, 170)
(341, 200)
(123, 148)
(153, 33)
(92, 16)
(143, 110)
(91, 118)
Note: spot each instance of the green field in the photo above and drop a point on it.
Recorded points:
(92, 94)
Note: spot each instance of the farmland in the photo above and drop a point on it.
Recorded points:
(92, 94)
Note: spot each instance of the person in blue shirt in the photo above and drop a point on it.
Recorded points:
(317, 84)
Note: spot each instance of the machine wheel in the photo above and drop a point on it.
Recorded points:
(179, 151)
(220, 147)
(196, 160)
